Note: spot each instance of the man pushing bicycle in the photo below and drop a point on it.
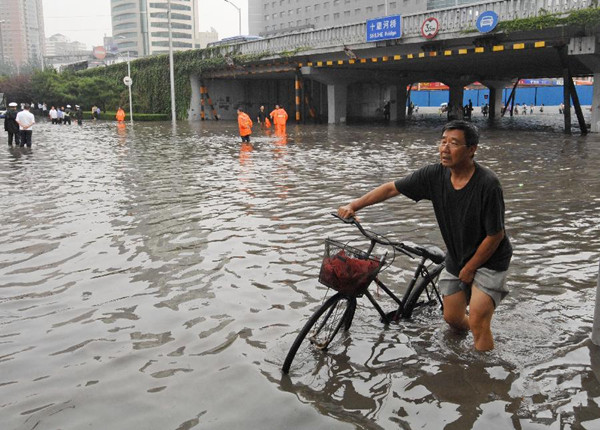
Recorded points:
(469, 207)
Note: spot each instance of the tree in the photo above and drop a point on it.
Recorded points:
(16, 88)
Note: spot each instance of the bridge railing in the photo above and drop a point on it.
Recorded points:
(451, 20)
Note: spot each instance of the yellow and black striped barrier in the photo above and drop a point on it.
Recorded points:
(205, 96)
(298, 88)
(444, 53)
(202, 89)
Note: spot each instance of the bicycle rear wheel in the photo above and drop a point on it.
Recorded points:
(427, 284)
(322, 327)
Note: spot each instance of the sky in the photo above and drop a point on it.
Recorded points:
(88, 21)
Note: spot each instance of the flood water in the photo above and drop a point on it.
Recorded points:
(154, 278)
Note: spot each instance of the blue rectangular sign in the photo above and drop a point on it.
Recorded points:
(385, 28)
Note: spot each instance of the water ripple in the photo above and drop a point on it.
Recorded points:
(185, 263)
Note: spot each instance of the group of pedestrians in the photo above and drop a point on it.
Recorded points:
(19, 125)
(278, 117)
(63, 116)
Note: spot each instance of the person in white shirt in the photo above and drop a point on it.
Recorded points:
(53, 115)
(25, 119)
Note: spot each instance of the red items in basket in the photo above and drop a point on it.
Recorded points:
(346, 274)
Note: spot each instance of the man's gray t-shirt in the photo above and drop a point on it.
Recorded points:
(465, 216)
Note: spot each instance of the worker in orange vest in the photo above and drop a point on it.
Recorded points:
(280, 119)
(120, 114)
(245, 125)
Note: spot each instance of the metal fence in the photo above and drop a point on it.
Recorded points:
(452, 20)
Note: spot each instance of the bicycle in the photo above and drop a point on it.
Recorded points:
(350, 272)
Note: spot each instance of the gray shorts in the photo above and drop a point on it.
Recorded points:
(489, 281)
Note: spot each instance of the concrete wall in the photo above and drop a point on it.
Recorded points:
(365, 101)
(227, 95)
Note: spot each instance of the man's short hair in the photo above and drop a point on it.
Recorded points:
(27, 106)
(470, 131)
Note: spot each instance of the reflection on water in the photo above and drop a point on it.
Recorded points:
(155, 277)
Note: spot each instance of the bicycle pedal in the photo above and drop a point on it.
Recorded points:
(392, 316)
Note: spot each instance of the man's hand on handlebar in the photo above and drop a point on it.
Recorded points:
(346, 212)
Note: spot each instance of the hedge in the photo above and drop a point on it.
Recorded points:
(110, 116)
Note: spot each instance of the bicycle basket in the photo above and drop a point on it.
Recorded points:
(347, 269)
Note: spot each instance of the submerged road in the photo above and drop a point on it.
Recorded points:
(154, 278)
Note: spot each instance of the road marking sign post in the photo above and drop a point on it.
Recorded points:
(487, 21)
(129, 82)
(430, 28)
(596, 326)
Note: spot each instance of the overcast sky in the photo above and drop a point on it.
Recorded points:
(88, 21)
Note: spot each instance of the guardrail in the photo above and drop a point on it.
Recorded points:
(450, 19)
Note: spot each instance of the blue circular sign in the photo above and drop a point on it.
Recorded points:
(487, 21)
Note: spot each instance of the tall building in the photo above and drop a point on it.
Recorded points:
(21, 32)
(141, 26)
(439, 4)
(272, 17)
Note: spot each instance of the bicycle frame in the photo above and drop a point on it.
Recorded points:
(421, 272)
(337, 311)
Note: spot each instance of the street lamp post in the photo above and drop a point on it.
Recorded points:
(129, 83)
(129, 87)
(171, 70)
(1, 43)
(239, 16)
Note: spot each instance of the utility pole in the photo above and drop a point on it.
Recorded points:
(239, 16)
(171, 69)
(1, 43)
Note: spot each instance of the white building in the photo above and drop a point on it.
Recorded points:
(141, 26)
(60, 45)
(272, 17)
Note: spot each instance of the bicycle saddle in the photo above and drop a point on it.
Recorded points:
(432, 252)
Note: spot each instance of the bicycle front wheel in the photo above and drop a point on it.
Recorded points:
(320, 330)
(427, 284)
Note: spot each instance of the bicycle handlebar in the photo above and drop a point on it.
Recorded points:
(382, 240)
(429, 252)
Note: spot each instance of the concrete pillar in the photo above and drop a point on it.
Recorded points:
(401, 99)
(194, 111)
(456, 101)
(567, 101)
(337, 97)
(596, 104)
(495, 101)
(596, 325)
(391, 95)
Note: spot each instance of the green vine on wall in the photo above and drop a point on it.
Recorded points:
(586, 18)
(151, 90)
(589, 17)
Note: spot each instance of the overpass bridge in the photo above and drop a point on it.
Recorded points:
(334, 73)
